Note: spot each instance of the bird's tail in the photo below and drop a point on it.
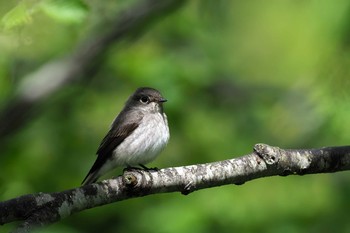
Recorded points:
(98, 169)
(94, 173)
(90, 178)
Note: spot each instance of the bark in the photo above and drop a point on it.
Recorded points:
(41, 209)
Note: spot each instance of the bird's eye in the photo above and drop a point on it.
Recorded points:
(144, 99)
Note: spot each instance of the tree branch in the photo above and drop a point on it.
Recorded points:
(55, 75)
(45, 208)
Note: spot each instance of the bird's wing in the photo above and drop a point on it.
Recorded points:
(121, 129)
(114, 138)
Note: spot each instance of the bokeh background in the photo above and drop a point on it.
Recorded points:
(235, 73)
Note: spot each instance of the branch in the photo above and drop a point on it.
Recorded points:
(45, 208)
(55, 75)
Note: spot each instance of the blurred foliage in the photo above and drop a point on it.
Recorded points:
(64, 11)
(235, 73)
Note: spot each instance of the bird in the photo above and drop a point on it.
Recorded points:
(136, 136)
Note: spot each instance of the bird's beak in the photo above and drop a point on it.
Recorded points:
(162, 100)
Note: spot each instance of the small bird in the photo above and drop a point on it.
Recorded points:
(137, 135)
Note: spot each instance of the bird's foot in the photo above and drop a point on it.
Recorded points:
(149, 168)
(142, 168)
(130, 169)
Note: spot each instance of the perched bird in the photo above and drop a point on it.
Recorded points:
(137, 135)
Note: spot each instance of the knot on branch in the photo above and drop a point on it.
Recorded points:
(137, 181)
(129, 180)
(270, 154)
(189, 188)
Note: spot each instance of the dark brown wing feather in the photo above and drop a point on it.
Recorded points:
(121, 128)
(114, 138)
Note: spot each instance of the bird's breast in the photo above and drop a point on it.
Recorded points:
(145, 142)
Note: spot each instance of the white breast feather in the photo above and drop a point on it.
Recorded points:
(144, 143)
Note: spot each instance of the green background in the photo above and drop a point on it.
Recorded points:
(235, 73)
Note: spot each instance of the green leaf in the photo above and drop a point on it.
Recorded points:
(18, 16)
(65, 11)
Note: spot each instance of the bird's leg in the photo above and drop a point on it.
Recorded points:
(130, 168)
(142, 167)
(148, 168)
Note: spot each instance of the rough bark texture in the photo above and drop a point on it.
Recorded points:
(44, 208)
